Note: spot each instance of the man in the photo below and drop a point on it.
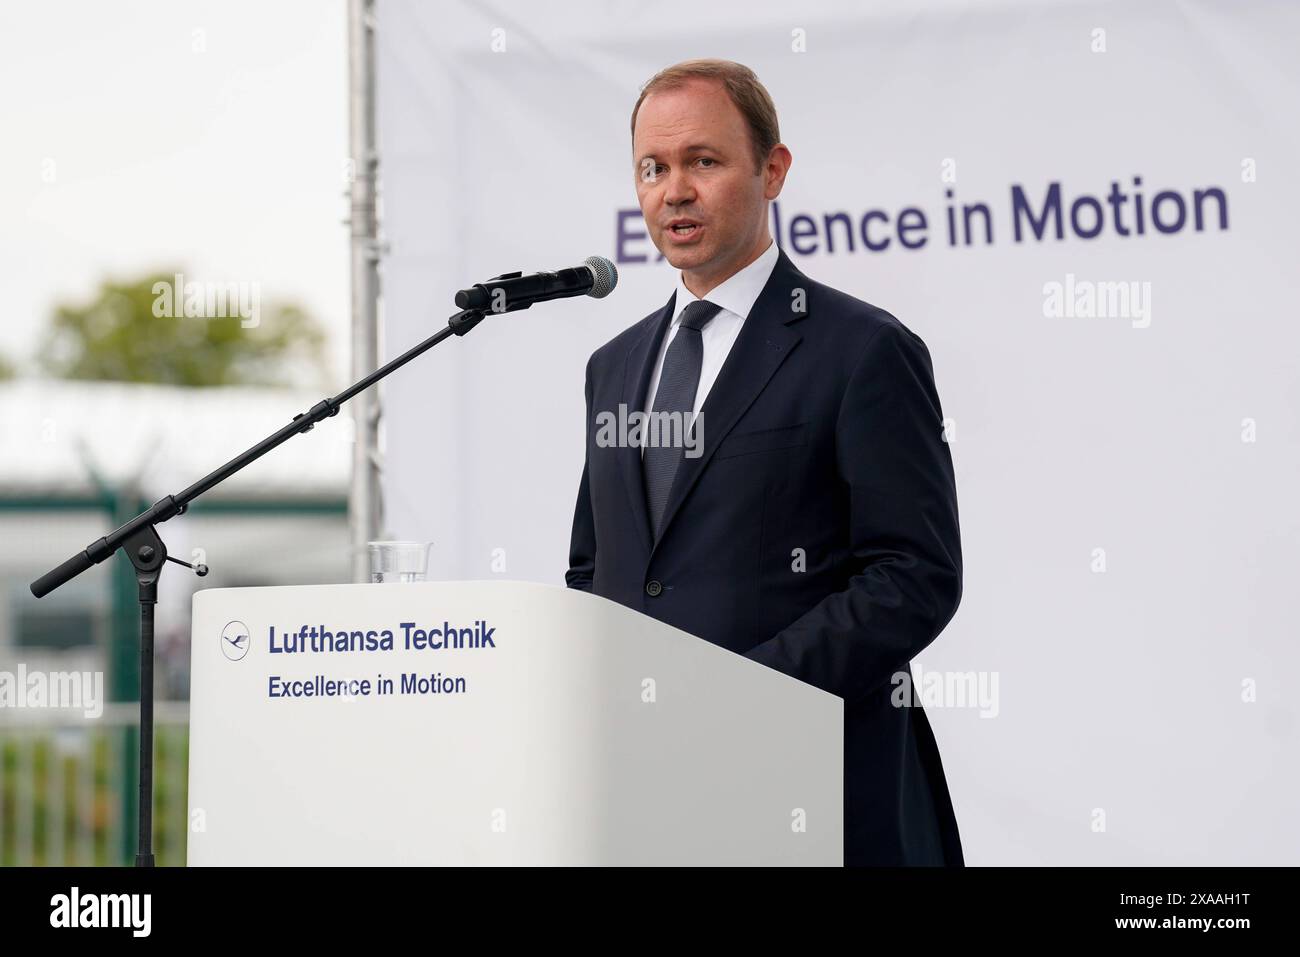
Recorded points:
(810, 520)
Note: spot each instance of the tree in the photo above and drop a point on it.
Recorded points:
(200, 334)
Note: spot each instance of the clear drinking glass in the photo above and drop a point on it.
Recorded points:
(398, 561)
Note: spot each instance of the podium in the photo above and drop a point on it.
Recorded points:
(495, 723)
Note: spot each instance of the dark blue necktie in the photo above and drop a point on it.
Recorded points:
(678, 383)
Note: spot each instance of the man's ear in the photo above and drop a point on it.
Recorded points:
(774, 173)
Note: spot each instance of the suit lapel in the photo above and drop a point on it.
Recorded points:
(764, 342)
(636, 380)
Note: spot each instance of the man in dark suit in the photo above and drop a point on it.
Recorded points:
(809, 521)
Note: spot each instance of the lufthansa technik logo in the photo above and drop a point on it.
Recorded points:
(236, 639)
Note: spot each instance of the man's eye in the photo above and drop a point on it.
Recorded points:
(705, 159)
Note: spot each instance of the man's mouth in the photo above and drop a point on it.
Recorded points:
(683, 228)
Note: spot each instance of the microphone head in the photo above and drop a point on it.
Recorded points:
(604, 276)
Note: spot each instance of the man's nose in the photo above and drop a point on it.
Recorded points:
(679, 189)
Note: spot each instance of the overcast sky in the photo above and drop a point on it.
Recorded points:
(207, 135)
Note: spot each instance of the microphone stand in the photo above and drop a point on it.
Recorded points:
(139, 541)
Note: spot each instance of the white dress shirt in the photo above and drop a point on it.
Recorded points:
(735, 297)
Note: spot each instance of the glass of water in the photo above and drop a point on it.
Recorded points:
(398, 561)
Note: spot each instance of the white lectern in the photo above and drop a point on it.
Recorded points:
(495, 723)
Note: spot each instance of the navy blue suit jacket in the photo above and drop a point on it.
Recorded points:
(821, 438)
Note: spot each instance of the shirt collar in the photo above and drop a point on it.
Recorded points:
(738, 292)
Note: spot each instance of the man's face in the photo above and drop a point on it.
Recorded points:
(695, 167)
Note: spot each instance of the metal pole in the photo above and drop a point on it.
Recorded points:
(364, 506)
(144, 831)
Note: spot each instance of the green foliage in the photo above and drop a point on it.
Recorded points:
(62, 798)
(137, 331)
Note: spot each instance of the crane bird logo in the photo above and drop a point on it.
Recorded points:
(235, 640)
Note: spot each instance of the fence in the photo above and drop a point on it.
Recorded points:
(67, 787)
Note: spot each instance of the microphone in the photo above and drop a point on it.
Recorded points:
(596, 277)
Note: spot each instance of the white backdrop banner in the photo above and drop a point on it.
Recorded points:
(1087, 211)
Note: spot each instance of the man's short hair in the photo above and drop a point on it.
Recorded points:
(741, 83)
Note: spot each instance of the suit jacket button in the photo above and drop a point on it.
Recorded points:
(653, 587)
